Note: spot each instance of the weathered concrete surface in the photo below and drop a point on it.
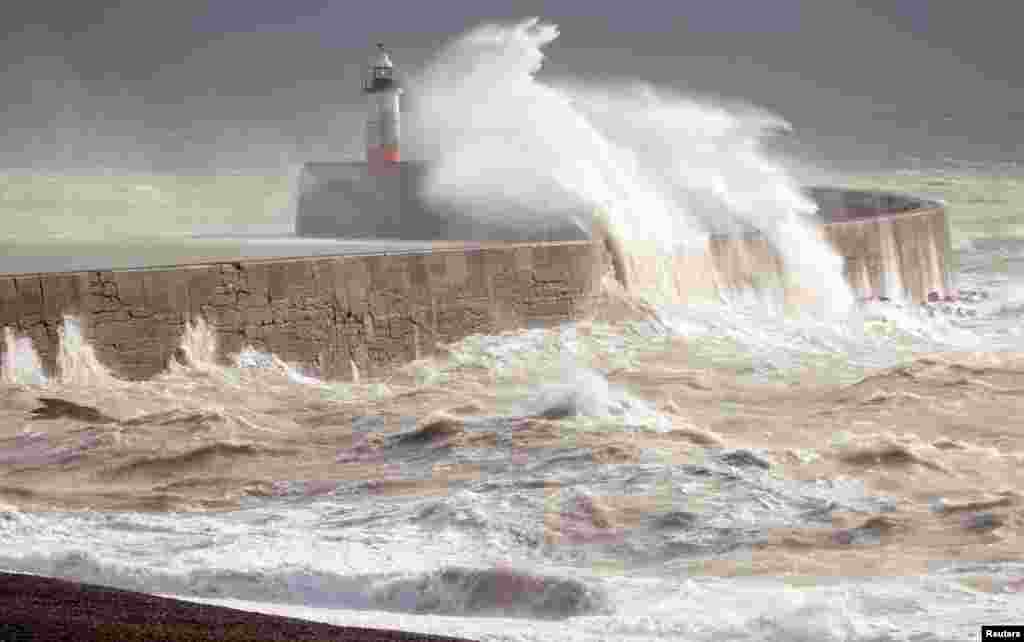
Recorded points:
(327, 313)
(902, 252)
(892, 244)
(899, 255)
(321, 312)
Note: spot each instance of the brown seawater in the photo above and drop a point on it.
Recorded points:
(672, 469)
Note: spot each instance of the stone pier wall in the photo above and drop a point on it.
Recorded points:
(908, 254)
(328, 313)
(324, 313)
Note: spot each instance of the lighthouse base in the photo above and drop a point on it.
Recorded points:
(371, 200)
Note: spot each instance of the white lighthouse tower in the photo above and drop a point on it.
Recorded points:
(382, 115)
(384, 197)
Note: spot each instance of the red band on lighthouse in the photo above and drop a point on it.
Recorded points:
(383, 154)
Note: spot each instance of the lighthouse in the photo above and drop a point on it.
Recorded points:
(382, 111)
(383, 197)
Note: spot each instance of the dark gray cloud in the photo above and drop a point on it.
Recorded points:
(979, 34)
(163, 82)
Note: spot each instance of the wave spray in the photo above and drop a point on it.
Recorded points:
(660, 174)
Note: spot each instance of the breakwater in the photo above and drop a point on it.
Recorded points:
(349, 315)
(336, 316)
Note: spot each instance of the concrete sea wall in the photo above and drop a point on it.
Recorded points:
(903, 255)
(325, 313)
(342, 314)
(907, 254)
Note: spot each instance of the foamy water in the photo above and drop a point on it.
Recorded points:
(315, 546)
(715, 470)
(660, 171)
(20, 362)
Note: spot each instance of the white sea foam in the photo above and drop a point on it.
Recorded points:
(76, 358)
(357, 577)
(199, 345)
(657, 169)
(20, 363)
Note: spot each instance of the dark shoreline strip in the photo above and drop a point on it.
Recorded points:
(34, 609)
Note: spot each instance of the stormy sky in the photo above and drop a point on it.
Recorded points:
(166, 85)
